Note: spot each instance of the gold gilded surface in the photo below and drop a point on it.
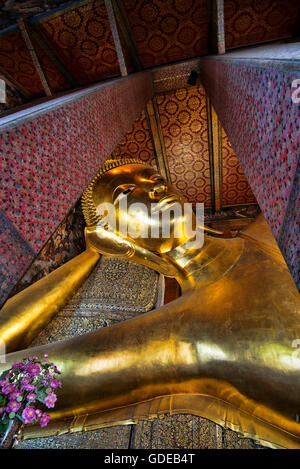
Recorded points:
(223, 350)
(26, 314)
(260, 235)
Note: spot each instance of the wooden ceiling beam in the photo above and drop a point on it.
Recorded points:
(127, 36)
(215, 155)
(44, 44)
(157, 138)
(216, 27)
(116, 37)
(24, 31)
(14, 84)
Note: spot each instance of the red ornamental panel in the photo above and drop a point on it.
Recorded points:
(253, 21)
(84, 40)
(183, 120)
(235, 187)
(55, 79)
(168, 30)
(137, 143)
(15, 59)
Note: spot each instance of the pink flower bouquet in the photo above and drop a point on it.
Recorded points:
(23, 387)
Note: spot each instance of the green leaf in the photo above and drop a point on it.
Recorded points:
(2, 399)
(19, 399)
(20, 418)
(3, 427)
(48, 390)
(12, 415)
(3, 374)
(41, 395)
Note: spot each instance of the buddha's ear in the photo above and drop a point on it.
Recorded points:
(110, 244)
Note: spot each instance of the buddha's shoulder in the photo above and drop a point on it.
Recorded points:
(256, 278)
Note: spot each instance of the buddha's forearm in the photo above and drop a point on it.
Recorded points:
(27, 313)
(113, 245)
(111, 366)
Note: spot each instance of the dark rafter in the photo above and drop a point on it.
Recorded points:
(127, 35)
(24, 31)
(216, 35)
(116, 37)
(42, 42)
(14, 84)
(157, 138)
(215, 155)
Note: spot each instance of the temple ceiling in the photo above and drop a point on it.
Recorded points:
(73, 42)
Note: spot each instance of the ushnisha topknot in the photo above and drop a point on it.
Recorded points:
(88, 207)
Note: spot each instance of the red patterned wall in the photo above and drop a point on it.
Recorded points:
(183, 120)
(137, 142)
(235, 187)
(165, 30)
(48, 160)
(253, 21)
(84, 41)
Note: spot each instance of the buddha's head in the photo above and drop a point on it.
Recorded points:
(129, 185)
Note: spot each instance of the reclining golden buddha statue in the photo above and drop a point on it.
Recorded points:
(224, 350)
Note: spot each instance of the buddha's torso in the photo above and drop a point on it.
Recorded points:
(243, 327)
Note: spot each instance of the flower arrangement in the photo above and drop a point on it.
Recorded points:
(23, 386)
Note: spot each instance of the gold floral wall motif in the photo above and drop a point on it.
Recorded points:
(166, 31)
(137, 142)
(15, 59)
(253, 21)
(183, 119)
(235, 187)
(84, 41)
(184, 124)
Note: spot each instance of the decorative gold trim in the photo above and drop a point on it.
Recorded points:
(202, 405)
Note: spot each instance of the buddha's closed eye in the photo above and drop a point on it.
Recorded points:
(157, 178)
(122, 191)
(127, 191)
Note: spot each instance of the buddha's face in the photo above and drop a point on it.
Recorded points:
(147, 204)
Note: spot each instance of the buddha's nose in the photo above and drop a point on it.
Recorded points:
(157, 190)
